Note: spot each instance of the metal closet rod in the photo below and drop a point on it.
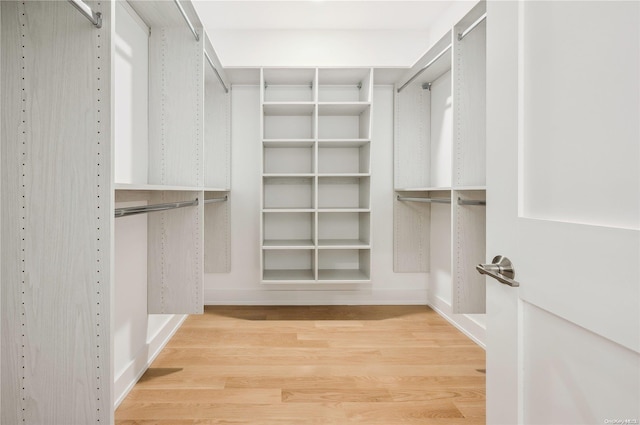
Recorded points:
(206, 55)
(424, 68)
(212, 200)
(143, 209)
(467, 202)
(87, 12)
(428, 200)
(187, 20)
(471, 27)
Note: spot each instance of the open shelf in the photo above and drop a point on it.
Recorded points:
(289, 85)
(288, 229)
(344, 158)
(288, 265)
(289, 121)
(344, 229)
(288, 108)
(288, 158)
(347, 124)
(343, 192)
(342, 108)
(288, 192)
(344, 265)
(344, 85)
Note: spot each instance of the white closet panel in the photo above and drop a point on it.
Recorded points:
(57, 213)
(470, 106)
(411, 235)
(175, 251)
(176, 107)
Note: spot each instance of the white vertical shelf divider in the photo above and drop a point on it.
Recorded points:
(316, 132)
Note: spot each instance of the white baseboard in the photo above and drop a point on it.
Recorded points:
(284, 297)
(465, 324)
(128, 378)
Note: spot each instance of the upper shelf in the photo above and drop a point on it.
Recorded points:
(167, 188)
(288, 108)
(342, 108)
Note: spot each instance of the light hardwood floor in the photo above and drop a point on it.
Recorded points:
(374, 365)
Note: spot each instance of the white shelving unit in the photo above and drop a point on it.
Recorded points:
(439, 151)
(316, 168)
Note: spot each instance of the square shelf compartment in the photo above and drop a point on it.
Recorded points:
(288, 192)
(344, 85)
(344, 157)
(282, 230)
(288, 157)
(344, 229)
(289, 121)
(344, 265)
(343, 192)
(288, 265)
(347, 121)
(289, 85)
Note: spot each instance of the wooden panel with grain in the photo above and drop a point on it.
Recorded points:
(411, 235)
(412, 143)
(56, 214)
(175, 256)
(470, 115)
(217, 236)
(176, 107)
(469, 238)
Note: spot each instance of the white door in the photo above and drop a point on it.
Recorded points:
(563, 136)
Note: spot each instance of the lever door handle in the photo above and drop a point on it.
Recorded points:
(501, 269)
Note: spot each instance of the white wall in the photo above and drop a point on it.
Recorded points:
(387, 48)
(242, 286)
(138, 336)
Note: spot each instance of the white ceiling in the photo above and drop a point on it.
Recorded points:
(319, 14)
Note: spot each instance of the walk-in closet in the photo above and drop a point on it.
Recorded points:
(165, 163)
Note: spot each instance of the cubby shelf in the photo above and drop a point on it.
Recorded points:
(425, 189)
(316, 137)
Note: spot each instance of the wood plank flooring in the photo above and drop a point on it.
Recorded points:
(374, 365)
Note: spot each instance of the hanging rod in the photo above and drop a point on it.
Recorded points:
(206, 55)
(212, 200)
(466, 202)
(94, 17)
(464, 33)
(143, 209)
(424, 68)
(187, 20)
(428, 200)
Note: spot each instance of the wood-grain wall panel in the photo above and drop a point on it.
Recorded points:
(176, 108)
(411, 230)
(56, 221)
(217, 236)
(175, 255)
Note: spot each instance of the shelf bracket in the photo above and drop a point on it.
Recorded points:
(426, 86)
(360, 85)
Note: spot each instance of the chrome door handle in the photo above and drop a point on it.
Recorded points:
(500, 269)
